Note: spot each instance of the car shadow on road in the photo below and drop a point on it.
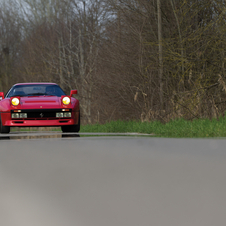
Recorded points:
(35, 136)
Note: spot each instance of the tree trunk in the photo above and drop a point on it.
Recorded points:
(160, 54)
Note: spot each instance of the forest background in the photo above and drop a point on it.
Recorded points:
(129, 59)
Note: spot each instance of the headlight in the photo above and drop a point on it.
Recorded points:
(15, 101)
(66, 100)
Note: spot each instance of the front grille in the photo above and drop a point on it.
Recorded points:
(41, 114)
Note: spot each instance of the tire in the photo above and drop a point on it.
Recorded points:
(3, 129)
(73, 128)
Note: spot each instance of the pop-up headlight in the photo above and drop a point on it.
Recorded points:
(66, 100)
(15, 101)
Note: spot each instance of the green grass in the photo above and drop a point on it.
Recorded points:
(174, 128)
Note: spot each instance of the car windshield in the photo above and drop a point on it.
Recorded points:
(35, 90)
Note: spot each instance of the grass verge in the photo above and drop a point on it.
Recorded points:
(175, 128)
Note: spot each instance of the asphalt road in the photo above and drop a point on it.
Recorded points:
(112, 181)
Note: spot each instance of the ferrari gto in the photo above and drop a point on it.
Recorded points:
(39, 104)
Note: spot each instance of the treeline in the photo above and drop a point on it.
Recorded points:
(129, 59)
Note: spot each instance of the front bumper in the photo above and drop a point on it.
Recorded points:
(39, 118)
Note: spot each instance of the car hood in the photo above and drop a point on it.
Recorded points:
(37, 102)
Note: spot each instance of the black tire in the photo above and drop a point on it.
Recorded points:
(73, 128)
(3, 129)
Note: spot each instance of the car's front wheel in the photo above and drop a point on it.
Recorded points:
(73, 128)
(3, 129)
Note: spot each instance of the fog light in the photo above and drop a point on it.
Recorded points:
(59, 114)
(23, 115)
(15, 115)
(67, 114)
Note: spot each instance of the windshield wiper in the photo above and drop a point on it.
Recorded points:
(40, 94)
(17, 96)
(36, 94)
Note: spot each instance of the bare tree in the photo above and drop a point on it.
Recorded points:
(66, 41)
(129, 59)
(160, 36)
(10, 38)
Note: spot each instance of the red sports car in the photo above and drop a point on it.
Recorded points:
(39, 104)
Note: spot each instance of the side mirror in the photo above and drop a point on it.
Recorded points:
(73, 92)
(1, 95)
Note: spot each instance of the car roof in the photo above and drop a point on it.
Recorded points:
(36, 83)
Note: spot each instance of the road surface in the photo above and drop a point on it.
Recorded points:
(112, 181)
